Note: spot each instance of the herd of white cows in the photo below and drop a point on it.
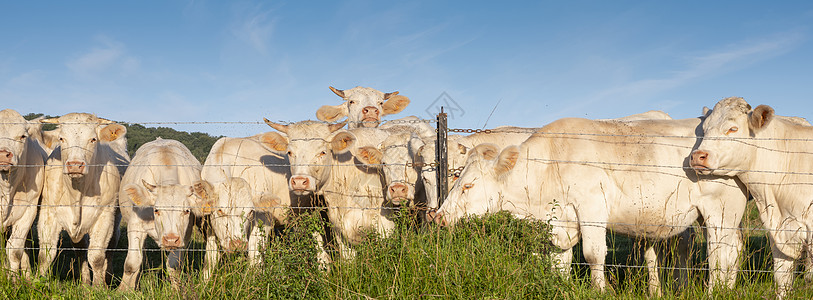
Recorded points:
(646, 175)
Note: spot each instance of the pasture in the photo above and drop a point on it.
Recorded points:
(495, 257)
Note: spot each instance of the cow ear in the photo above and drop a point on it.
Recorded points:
(463, 149)
(395, 104)
(137, 195)
(760, 117)
(506, 161)
(342, 142)
(331, 113)
(369, 155)
(706, 111)
(266, 203)
(204, 202)
(487, 151)
(274, 142)
(112, 132)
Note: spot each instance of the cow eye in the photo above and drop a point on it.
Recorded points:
(22, 137)
(156, 211)
(468, 186)
(290, 153)
(732, 130)
(220, 212)
(93, 140)
(61, 139)
(351, 102)
(322, 153)
(185, 211)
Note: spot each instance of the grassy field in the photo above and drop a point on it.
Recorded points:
(491, 257)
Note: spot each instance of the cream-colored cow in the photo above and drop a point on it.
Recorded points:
(772, 156)
(587, 177)
(363, 107)
(22, 175)
(249, 183)
(82, 177)
(322, 164)
(160, 197)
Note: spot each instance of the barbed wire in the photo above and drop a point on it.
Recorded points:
(281, 122)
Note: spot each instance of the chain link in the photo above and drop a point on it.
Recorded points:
(469, 130)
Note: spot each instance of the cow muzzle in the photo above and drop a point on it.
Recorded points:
(398, 193)
(436, 217)
(236, 245)
(370, 116)
(75, 169)
(6, 160)
(301, 185)
(171, 241)
(699, 162)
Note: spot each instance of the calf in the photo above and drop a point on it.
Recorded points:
(160, 194)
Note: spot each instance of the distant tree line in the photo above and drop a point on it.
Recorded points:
(199, 143)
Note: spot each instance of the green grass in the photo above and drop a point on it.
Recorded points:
(493, 257)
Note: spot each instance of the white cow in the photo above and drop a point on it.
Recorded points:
(363, 107)
(627, 177)
(250, 184)
(396, 157)
(459, 146)
(22, 175)
(160, 195)
(771, 155)
(322, 164)
(82, 177)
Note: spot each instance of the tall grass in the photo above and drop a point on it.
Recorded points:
(493, 257)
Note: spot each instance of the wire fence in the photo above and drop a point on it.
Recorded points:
(436, 165)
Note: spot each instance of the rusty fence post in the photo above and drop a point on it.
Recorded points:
(441, 157)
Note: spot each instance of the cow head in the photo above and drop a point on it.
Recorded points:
(15, 132)
(172, 206)
(479, 189)
(456, 154)
(362, 106)
(235, 210)
(393, 155)
(310, 147)
(722, 150)
(79, 136)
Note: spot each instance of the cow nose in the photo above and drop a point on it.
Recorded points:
(75, 167)
(398, 190)
(699, 157)
(300, 182)
(371, 110)
(434, 216)
(6, 154)
(171, 241)
(237, 245)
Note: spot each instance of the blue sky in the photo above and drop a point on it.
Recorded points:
(213, 61)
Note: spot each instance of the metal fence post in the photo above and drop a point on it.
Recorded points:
(441, 156)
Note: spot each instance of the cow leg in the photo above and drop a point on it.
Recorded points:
(321, 255)
(783, 268)
(651, 257)
(135, 256)
(83, 260)
(344, 250)
(48, 231)
(212, 256)
(97, 255)
(595, 250)
(809, 258)
(724, 247)
(257, 241)
(562, 262)
(17, 257)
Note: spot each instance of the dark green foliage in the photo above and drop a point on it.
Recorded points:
(198, 143)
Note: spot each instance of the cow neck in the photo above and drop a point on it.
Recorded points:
(778, 190)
